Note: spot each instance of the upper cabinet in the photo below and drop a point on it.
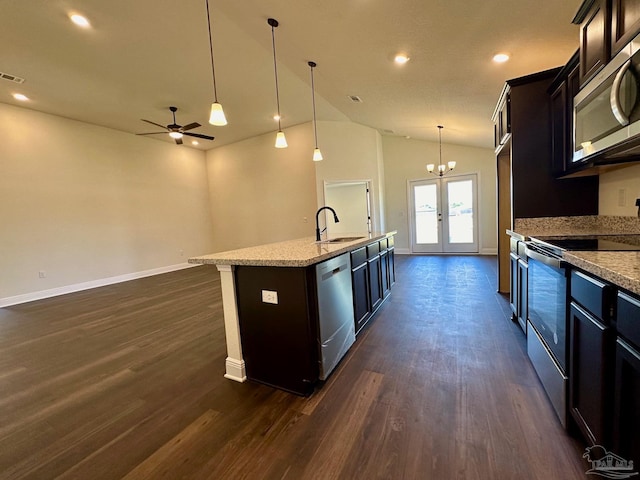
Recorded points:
(594, 18)
(606, 26)
(625, 23)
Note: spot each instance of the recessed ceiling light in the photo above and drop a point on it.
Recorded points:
(401, 58)
(194, 142)
(79, 20)
(500, 58)
(21, 97)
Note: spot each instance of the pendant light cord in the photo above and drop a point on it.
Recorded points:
(313, 100)
(275, 68)
(213, 68)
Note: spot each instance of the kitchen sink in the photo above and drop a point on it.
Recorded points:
(341, 239)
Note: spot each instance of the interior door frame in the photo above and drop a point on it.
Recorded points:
(444, 247)
(367, 183)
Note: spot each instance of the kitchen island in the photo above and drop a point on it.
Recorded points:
(275, 311)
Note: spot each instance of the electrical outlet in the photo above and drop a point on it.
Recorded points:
(42, 274)
(181, 253)
(269, 296)
(304, 220)
(622, 197)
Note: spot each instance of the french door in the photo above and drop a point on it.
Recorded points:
(444, 215)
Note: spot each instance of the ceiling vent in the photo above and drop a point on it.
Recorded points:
(355, 98)
(13, 78)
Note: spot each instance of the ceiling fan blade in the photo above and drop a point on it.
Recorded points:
(191, 126)
(151, 133)
(154, 123)
(178, 141)
(199, 135)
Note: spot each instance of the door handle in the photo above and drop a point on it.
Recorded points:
(614, 98)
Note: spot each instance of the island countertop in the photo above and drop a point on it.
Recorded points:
(300, 252)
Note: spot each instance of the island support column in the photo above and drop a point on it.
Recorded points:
(235, 368)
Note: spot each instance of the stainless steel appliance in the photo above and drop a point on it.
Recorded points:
(547, 322)
(335, 310)
(606, 112)
(548, 292)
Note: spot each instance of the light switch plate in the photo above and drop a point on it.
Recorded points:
(269, 296)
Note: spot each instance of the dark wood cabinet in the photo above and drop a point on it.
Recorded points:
(523, 285)
(590, 374)
(361, 299)
(594, 19)
(502, 123)
(375, 281)
(519, 283)
(626, 418)
(372, 275)
(625, 23)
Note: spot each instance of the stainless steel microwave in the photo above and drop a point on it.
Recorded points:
(607, 109)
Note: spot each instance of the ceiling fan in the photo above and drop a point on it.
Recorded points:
(176, 131)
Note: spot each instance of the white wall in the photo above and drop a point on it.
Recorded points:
(352, 152)
(84, 203)
(406, 159)
(627, 179)
(262, 194)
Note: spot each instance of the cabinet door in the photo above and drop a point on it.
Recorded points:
(361, 298)
(625, 23)
(591, 369)
(392, 267)
(375, 281)
(626, 424)
(594, 40)
(384, 273)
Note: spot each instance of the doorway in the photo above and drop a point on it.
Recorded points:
(444, 215)
(351, 201)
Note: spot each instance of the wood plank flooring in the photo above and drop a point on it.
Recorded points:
(125, 381)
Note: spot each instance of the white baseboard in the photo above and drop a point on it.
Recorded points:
(402, 251)
(484, 251)
(489, 251)
(77, 287)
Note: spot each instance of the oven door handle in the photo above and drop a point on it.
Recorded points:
(542, 258)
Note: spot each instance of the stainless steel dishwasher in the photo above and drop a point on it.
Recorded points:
(335, 312)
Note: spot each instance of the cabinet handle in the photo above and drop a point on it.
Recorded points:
(616, 107)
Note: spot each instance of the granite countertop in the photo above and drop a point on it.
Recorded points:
(620, 268)
(301, 252)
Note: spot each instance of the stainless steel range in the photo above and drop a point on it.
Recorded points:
(548, 295)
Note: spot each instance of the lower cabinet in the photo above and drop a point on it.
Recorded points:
(626, 411)
(361, 297)
(590, 374)
(372, 275)
(626, 420)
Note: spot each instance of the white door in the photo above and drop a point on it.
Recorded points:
(443, 214)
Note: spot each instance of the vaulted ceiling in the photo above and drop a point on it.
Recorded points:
(139, 57)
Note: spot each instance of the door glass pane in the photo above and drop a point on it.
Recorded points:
(460, 201)
(425, 205)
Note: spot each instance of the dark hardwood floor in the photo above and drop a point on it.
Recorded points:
(125, 381)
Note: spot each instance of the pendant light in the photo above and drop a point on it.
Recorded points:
(216, 117)
(317, 155)
(281, 141)
(442, 170)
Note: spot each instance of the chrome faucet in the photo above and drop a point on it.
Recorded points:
(335, 219)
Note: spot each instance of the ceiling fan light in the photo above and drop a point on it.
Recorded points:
(175, 135)
(217, 117)
(281, 141)
(317, 155)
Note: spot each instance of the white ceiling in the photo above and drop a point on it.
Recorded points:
(141, 56)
